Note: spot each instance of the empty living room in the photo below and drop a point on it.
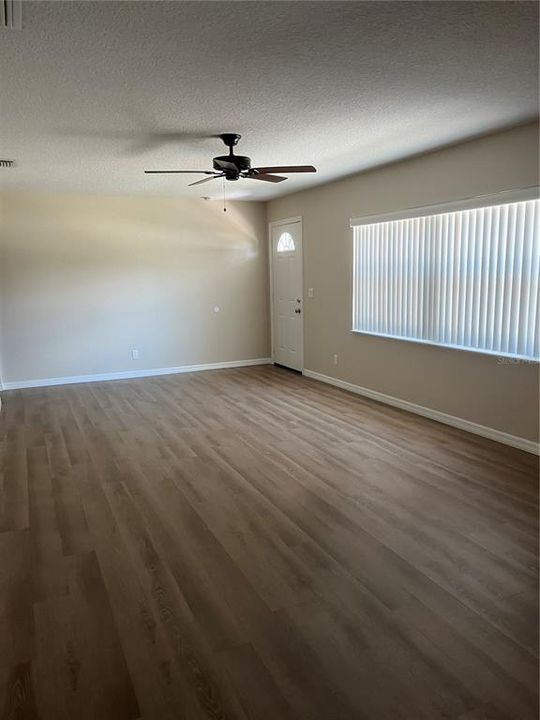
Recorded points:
(269, 360)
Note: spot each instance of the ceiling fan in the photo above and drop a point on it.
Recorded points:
(234, 167)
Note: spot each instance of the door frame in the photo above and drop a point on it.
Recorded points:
(271, 226)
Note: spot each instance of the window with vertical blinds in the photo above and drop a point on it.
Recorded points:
(466, 279)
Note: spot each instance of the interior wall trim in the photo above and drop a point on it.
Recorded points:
(457, 422)
(131, 374)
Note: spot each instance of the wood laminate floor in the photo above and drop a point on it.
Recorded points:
(251, 544)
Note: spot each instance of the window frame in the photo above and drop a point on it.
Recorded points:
(470, 203)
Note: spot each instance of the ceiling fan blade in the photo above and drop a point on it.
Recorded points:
(200, 182)
(287, 169)
(266, 178)
(175, 172)
(226, 165)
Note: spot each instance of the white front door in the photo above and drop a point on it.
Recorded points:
(287, 298)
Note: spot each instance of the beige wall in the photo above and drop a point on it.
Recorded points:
(85, 279)
(468, 385)
(2, 221)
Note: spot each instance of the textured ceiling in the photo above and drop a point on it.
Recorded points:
(92, 93)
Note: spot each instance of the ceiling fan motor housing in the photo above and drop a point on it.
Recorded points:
(242, 163)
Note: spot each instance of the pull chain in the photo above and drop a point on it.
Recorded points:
(224, 208)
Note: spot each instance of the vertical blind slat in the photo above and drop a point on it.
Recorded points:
(468, 278)
(533, 329)
(528, 289)
(515, 301)
(485, 256)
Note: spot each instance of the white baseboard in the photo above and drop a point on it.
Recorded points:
(131, 374)
(462, 424)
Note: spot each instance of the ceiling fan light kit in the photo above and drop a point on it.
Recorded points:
(234, 167)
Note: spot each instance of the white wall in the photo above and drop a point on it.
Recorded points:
(83, 280)
(468, 385)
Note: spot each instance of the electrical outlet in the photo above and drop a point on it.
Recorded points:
(310, 292)
(134, 354)
(336, 359)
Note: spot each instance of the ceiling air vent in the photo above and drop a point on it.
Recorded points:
(11, 14)
(7, 163)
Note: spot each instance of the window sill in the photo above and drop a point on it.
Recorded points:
(506, 358)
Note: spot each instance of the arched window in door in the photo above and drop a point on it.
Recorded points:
(285, 243)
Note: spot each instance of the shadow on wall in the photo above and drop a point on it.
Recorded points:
(126, 246)
(86, 278)
(123, 224)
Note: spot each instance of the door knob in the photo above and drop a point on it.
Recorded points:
(297, 311)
